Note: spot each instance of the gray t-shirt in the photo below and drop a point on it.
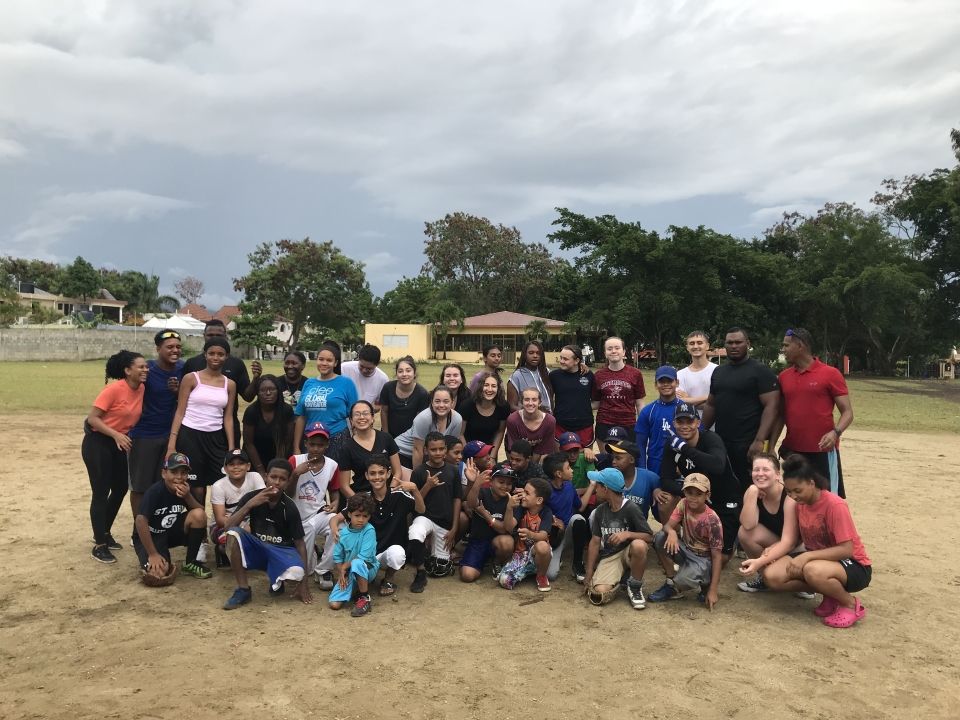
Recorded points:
(605, 521)
(423, 424)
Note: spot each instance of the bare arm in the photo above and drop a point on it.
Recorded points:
(709, 413)
(187, 385)
(298, 427)
(830, 438)
(513, 397)
(750, 514)
(346, 483)
(228, 426)
(251, 449)
(417, 453)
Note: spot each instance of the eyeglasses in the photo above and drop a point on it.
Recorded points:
(362, 414)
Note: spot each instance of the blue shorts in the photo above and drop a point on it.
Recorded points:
(476, 554)
(279, 561)
(358, 568)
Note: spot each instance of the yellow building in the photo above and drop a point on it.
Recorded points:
(103, 303)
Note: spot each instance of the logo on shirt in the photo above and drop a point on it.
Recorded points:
(584, 380)
(317, 397)
(308, 491)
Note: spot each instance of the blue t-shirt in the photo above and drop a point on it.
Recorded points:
(652, 428)
(640, 492)
(327, 401)
(564, 502)
(159, 403)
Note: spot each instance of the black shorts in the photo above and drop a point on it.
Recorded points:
(206, 451)
(144, 461)
(176, 536)
(858, 576)
(730, 520)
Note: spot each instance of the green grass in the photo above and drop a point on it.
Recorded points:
(878, 403)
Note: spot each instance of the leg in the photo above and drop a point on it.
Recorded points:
(775, 577)
(828, 578)
(119, 482)
(195, 526)
(637, 557)
(542, 555)
(96, 456)
(554, 568)
(580, 534)
(666, 560)
(236, 561)
(756, 540)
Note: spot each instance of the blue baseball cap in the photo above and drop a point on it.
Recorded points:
(317, 428)
(610, 478)
(615, 433)
(665, 371)
(569, 441)
(476, 448)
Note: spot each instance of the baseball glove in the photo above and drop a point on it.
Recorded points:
(151, 580)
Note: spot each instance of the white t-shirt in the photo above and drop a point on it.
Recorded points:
(311, 491)
(227, 494)
(696, 383)
(368, 388)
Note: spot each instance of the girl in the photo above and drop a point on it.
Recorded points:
(402, 399)
(532, 424)
(358, 450)
(202, 428)
(492, 357)
(439, 417)
(454, 378)
(485, 418)
(572, 386)
(326, 398)
(106, 444)
(835, 563)
(291, 384)
(267, 426)
(531, 372)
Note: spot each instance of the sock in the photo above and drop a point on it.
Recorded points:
(417, 553)
(581, 536)
(194, 541)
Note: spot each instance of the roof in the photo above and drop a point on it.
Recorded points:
(175, 322)
(227, 313)
(196, 311)
(506, 318)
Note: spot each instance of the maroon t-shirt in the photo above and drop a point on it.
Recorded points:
(618, 391)
(542, 439)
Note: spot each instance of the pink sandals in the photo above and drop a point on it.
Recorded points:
(826, 608)
(844, 617)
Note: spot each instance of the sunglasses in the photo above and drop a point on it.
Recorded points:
(169, 334)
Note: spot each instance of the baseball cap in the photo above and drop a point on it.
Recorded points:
(504, 471)
(665, 371)
(176, 460)
(602, 461)
(615, 433)
(611, 478)
(686, 410)
(236, 454)
(623, 446)
(317, 428)
(697, 480)
(476, 448)
(569, 441)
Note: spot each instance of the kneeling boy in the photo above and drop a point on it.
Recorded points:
(530, 523)
(489, 538)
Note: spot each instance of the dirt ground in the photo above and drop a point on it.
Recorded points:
(79, 639)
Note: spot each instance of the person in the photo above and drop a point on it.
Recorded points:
(521, 464)
(489, 539)
(291, 383)
(572, 392)
(531, 372)
(327, 399)
(809, 390)
(273, 543)
(492, 357)
(835, 563)
(570, 444)
(564, 503)
(106, 442)
(618, 391)
(355, 557)
(485, 418)
(532, 424)
(441, 490)
(697, 550)
(438, 417)
(588, 354)
(640, 482)
(267, 425)
(656, 420)
(401, 400)
(768, 521)
(744, 401)
(150, 435)
(529, 522)
(366, 374)
(693, 381)
(618, 543)
(455, 379)
(364, 443)
(225, 494)
(201, 427)
(169, 516)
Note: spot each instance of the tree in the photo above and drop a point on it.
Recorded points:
(252, 328)
(44, 275)
(10, 308)
(441, 314)
(141, 291)
(189, 288)
(308, 283)
(536, 330)
(407, 302)
(81, 280)
(45, 316)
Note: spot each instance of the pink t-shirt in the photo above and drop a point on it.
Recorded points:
(121, 405)
(542, 439)
(701, 533)
(827, 523)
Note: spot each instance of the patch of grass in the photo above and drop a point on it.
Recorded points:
(906, 405)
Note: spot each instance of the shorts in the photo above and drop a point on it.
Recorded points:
(477, 553)
(695, 570)
(206, 451)
(858, 576)
(730, 520)
(358, 568)
(585, 434)
(279, 561)
(611, 569)
(406, 461)
(176, 536)
(144, 462)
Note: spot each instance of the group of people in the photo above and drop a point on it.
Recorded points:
(308, 485)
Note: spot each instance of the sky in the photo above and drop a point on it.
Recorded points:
(174, 137)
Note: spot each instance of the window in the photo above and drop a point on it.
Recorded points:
(397, 341)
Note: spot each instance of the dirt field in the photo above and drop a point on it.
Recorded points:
(79, 639)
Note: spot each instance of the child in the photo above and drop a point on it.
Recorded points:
(314, 488)
(520, 460)
(489, 537)
(656, 419)
(474, 467)
(530, 523)
(564, 503)
(454, 451)
(835, 563)
(569, 443)
(640, 483)
(274, 542)
(699, 554)
(169, 516)
(439, 484)
(619, 539)
(355, 557)
(226, 493)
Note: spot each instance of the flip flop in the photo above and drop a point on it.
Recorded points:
(826, 608)
(387, 588)
(845, 617)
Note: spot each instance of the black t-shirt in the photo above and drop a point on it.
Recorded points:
(290, 392)
(708, 457)
(278, 525)
(402, 411)
(235, 369)
(355, 457)
(736, 390)
(265, 433)
(479, 530)
(439, 501)
(389, 520)
(572, 391)
(533, 470)
(483, 428)
(162, 509)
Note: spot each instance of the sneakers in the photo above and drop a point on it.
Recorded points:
(325, 581)
(803, 595)
(579, 572)
(279, 591)
(635, 593)
(667, 591)
(112, 544)
(496, 569)
(419, 583)
(197, 570)
(543, 583)
(102, 553)
(752, 586)
(362, 607)
(241, 596)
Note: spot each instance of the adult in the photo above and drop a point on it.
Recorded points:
(327, 399)
(438, 417)
(152, 431)
(492, 357)
(485, 418)
(234, 369)
(401, 400)
(531, 372)
(366, 375)
(809, 390)
(202, 428)
(572, 386)
(359, 450)
(455, 379)
(532, 424)
(618, 391)
(292, 381)
(267, 426)
(744, 402)
(106, 443)
(334, 347)
(694, 380)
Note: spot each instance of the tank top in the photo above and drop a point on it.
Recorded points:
(205, 406)
(772, 522)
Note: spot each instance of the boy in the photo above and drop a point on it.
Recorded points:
(489, 537)
(169, 516)
(530, 523)
(226, 493)
(564, 503)
(699, 553)
(314, 488)
(274, 542)
(619, 539)
(640, 483)
(570, 444)
(656, 420)
(520, 460)
(439, 484)
(454, 451)
(355, 557)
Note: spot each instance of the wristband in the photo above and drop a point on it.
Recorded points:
(838, 431)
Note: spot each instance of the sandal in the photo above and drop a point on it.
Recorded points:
(387, 588)
(826, 608)
(845, 617)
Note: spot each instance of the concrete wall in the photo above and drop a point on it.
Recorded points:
(413, 340)
(75, 344)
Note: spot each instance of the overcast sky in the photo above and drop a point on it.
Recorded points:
(173, 137)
